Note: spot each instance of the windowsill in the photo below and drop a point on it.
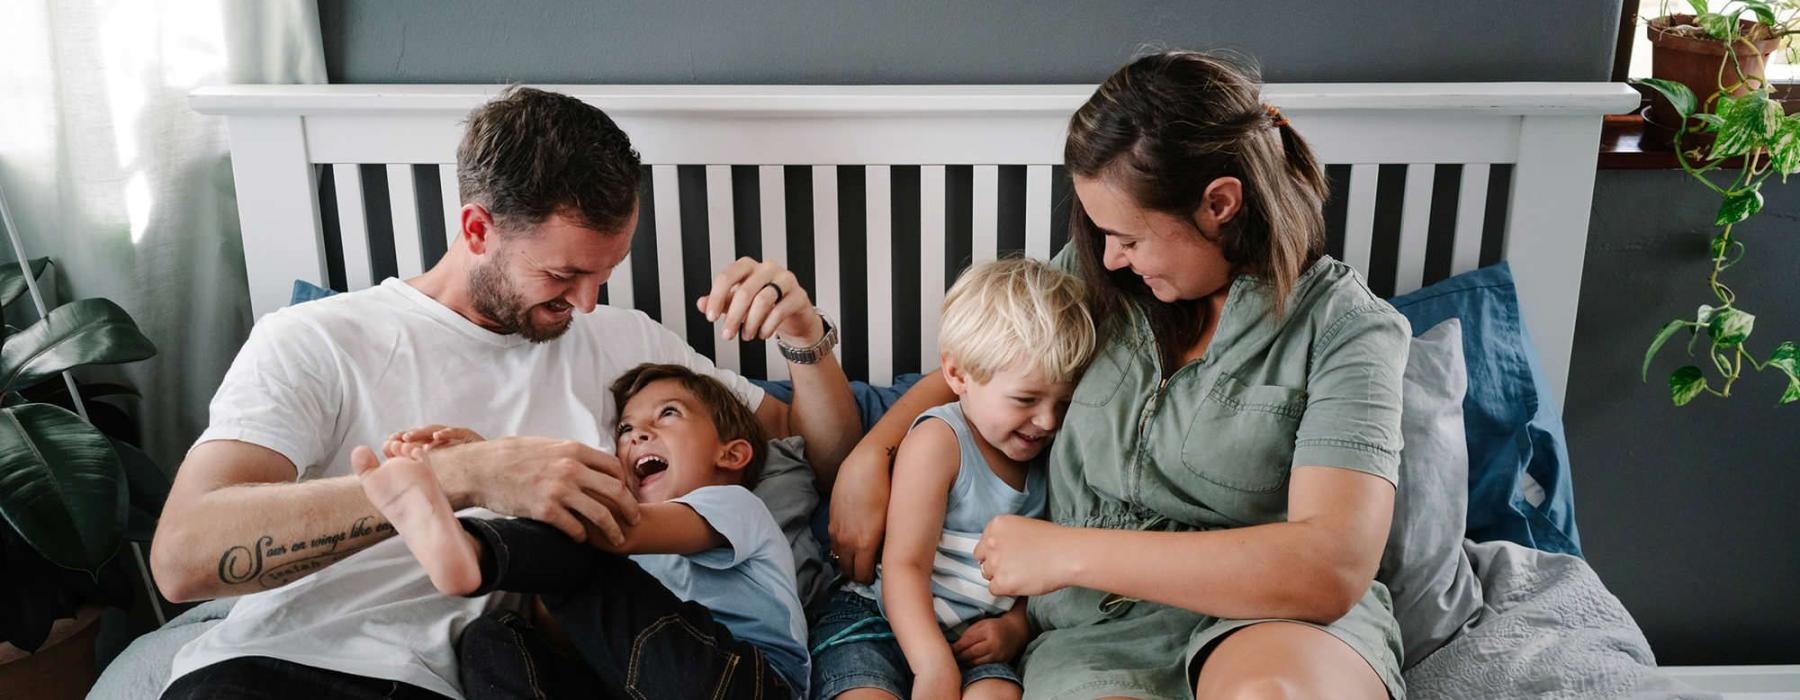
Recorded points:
(1627, 142)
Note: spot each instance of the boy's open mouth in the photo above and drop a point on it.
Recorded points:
(649, 465)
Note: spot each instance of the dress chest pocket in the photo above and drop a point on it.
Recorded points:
(1241, 436)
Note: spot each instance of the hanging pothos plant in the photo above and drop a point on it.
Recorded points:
(1740, 124)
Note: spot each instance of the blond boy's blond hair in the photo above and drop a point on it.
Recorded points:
(1018, 310)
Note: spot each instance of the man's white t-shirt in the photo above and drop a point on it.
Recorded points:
(318, 379)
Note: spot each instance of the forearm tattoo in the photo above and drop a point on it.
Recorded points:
(270, 565)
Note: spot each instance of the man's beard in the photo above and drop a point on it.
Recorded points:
(497, 299)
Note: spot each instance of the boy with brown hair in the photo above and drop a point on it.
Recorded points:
(698, 600)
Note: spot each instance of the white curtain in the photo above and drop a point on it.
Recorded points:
(109, 173)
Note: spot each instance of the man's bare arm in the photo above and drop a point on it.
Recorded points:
(236, 522)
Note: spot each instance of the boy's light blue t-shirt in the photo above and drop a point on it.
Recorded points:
(747, 584)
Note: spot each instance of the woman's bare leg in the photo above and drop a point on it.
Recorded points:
(1286, 660)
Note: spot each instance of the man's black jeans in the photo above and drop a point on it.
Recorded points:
(264, 678)
(634, 637)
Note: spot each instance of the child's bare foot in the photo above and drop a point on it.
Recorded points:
(407, 493)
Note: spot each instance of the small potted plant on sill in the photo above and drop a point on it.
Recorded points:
(1731, 135)
(1691, 49)
(71, 495)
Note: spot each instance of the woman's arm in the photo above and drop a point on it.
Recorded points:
(925, 470)
(1314, 567)
(859, 500)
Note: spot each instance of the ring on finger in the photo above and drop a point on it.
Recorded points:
(777, 288)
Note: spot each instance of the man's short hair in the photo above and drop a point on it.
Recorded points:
(1018, 310)
(730, 417)
(528, 153)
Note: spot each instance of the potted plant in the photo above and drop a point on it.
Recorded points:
(1690, 49)
(70, 495)
(1746, 137)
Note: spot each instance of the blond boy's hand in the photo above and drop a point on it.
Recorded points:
(428, 437)
(993, 640)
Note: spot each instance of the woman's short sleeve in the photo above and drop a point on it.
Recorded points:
(1352, 418)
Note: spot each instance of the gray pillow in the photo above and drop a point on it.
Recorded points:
(1434, 588)
(788, 489)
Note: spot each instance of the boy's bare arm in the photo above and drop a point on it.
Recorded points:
(924, 471)
(666, 528)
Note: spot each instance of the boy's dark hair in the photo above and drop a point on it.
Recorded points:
(730, 417)
(529, 153)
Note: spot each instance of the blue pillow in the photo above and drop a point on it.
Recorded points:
(871, 401)
(1519, 484)
(305, 291)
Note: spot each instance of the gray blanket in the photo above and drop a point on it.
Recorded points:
(1548, 629)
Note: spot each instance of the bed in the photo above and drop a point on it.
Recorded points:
(877, 196)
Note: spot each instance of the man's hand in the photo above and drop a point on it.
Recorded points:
(430, 437)
(560, 482)
(859, 503)
(756, 300)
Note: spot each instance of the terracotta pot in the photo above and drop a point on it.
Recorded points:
(62, 668)
(1694, 61)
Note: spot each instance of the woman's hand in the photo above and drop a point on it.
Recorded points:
(1024, 557)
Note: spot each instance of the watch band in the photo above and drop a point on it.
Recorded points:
(811, 354)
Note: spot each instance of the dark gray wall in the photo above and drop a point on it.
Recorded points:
(1010, 41)
(1689, 515)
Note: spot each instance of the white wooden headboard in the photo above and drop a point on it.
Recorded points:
(877, 195)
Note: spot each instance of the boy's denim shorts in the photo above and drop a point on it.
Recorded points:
(871, 663)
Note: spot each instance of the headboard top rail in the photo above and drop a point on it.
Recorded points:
(842, 100)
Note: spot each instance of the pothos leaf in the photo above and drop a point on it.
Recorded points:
(1747, 123)
(1685, 384)
(1729, 327)
(1662, 337)
(1678, 95)
(1738, 207)
(1718, 26)
(1763, 12)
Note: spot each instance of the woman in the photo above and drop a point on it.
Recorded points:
(1225, 483)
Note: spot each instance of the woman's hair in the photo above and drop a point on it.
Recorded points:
(1163, 128)
(731, 418)
(1017, 310)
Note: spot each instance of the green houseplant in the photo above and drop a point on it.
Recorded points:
(70, 494)
(1731, 136)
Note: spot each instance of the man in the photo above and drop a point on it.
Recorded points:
(502, 335)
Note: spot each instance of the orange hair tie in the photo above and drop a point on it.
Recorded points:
(1275, 114)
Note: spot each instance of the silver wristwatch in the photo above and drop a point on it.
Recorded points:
(811, 353)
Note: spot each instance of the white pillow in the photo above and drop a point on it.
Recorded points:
(1434, 588)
